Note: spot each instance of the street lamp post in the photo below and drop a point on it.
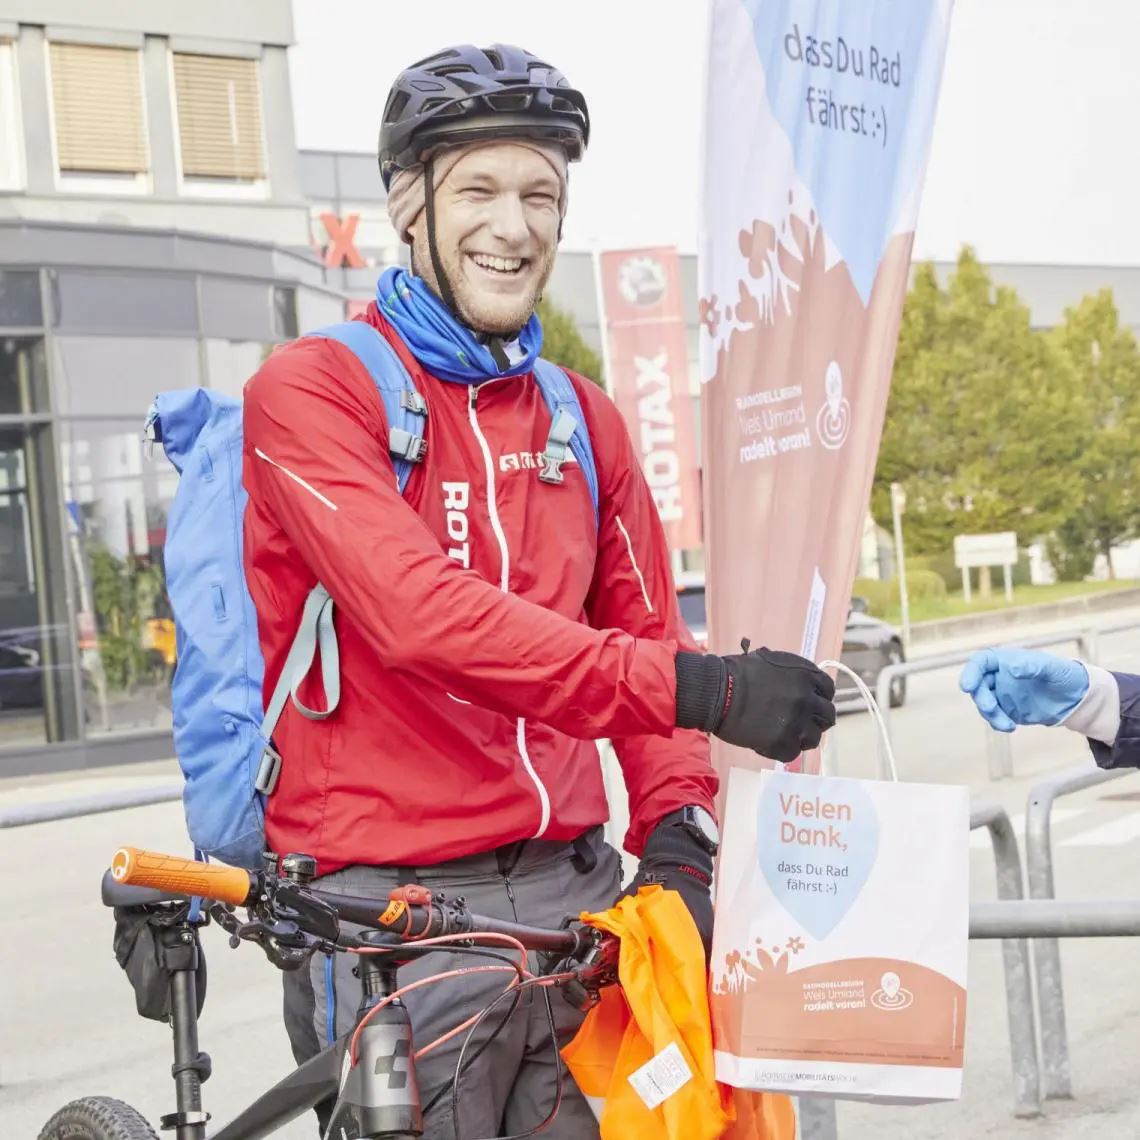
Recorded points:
(898, 505)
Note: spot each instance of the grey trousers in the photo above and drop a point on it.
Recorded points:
(511, 1087)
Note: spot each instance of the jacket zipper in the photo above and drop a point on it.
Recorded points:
(504, 585)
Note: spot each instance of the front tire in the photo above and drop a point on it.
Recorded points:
(97, 1118)
(895, 656)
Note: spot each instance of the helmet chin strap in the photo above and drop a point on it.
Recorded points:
(493, 341)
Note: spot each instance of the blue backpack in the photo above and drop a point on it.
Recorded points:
(222, 732)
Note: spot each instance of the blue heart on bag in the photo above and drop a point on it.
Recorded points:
(818, 838)
(854, 87)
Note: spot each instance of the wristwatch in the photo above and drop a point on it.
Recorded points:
(699, 824)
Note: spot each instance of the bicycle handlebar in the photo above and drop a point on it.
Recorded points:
(134, 867)
(409, 915)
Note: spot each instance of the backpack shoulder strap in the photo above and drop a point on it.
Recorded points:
(405, 407)
(567, 428)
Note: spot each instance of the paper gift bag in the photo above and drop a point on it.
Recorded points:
(840, 944)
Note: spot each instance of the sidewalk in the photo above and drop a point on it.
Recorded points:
(50, 787)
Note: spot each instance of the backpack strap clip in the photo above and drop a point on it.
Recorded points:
(407, 445)
(557, 446)
(412, 400)
(268, 770)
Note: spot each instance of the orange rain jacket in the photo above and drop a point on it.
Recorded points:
(646, 1049)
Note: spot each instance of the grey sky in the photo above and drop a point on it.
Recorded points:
(1034, 155)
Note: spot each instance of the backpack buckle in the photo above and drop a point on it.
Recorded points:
(551, 468)
(557, 447)
(404, 445)
(413, 402)
(268, 771)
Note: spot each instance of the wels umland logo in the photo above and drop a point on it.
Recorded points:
(642, 281)
(891, 995)
(834, 420)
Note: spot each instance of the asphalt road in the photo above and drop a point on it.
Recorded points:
(69, 1028)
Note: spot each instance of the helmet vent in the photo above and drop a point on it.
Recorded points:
(507, 101)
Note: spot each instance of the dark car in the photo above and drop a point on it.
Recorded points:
(23, 667)
(869, 645)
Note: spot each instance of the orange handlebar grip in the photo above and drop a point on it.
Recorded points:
(136, 868)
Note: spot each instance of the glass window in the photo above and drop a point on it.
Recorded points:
(37, 666)
(11, 149)
(237, 310)
(23, 375)
(101, 375)
(106, 302)
(284, 312)
(20, 298)
(117, 504)
(230, 363)
(219, 117)
(97, 109)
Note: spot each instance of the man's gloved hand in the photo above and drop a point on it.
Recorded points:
(778, 704)
(1019, 686)
(677, 862)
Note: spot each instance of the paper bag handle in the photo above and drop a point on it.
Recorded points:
(872, 707)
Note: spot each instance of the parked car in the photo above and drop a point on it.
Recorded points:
(22, 666)
(869, 645)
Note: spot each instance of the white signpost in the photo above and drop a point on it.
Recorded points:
(984, 550)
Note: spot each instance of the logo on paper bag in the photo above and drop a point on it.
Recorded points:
(818, 841)
(891, 994)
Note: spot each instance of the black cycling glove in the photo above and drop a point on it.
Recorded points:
(778, 704)
(676, 861)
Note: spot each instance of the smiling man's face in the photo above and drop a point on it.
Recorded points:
(496, 230)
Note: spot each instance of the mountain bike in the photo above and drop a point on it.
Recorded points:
(369, 1073)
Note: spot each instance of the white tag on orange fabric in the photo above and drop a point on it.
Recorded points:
(661, 1076)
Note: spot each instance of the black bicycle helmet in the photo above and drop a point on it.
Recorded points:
(466, 94)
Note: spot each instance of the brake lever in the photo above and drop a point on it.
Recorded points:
(593, 968)
(285, 944)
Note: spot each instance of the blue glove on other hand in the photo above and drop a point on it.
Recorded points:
(1019, 686)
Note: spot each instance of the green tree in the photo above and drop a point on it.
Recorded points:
(1105, 413)
(124, 591)
(978, 424)
(563, 343)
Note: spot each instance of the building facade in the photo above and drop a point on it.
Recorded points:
(154, 234)
(159, 228)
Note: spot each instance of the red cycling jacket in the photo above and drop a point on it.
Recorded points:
(489, 632)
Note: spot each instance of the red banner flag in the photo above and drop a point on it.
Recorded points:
(648, 362)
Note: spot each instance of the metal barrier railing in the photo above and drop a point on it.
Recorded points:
(1056, 918)
(1057, 1078)
(1012, 921)
(1015, 961)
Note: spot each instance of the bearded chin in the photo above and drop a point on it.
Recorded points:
(498, 320)
(480, 312)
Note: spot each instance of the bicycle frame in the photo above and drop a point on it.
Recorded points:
(379, 1096)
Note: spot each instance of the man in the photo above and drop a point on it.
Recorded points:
(1013, 686)
(490, 626)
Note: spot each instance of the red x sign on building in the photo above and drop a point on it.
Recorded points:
(341, 249)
